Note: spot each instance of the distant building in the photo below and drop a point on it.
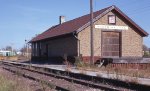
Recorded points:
(18, 53)
(7, 53)
(115, 36)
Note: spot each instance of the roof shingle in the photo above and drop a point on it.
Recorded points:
(66, 27)
(74, 25)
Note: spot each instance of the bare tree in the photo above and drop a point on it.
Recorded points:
(145, 48)
(146, 51)
(24, 50)
(8, 48)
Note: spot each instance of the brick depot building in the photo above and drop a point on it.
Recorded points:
(72, 38)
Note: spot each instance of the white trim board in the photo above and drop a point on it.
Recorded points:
(112, 27)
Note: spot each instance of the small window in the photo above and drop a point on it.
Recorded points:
(111, 19)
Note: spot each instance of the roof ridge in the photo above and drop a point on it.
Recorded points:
(89, 14)
(79, 23)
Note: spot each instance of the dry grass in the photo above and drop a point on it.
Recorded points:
(117, 70)
(5, 85)
(11, 85)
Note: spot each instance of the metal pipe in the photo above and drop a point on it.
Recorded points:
(74, 34)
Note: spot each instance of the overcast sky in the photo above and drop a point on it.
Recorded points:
(23, 19)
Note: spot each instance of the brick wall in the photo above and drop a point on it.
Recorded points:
(142, 66)
(131, 41)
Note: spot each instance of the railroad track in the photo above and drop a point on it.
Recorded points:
(92, 82)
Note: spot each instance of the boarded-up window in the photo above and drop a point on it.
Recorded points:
(110, 44)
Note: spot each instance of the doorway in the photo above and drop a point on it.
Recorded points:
(111, 44)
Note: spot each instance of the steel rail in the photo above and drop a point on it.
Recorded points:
(83, 79)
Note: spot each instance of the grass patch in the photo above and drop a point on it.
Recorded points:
(6, 85)
(11, 85)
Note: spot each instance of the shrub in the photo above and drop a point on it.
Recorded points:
(146, 54)
(79, 62)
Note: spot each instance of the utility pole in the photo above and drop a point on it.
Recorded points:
(26, 49)
(91, 23)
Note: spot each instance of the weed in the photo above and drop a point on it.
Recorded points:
(66, 62)
(4, 84)
(42, 83)
(78, 62)
(58, 73)
(9, 85)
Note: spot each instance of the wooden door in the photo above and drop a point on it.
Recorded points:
(110, 44)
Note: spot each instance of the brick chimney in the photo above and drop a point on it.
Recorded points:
(61, 19)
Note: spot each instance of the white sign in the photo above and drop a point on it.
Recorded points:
(112, 27)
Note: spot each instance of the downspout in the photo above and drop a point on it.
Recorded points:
(75, 36)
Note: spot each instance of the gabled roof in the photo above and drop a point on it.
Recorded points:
(78, 24)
